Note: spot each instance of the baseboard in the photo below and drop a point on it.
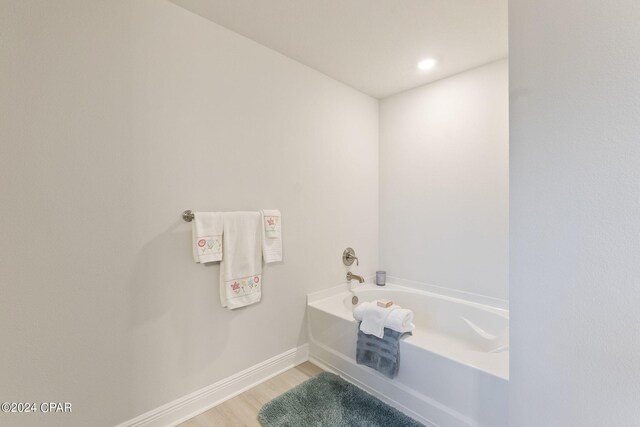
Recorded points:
(195, 403)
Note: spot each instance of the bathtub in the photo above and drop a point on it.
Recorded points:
(454, 368)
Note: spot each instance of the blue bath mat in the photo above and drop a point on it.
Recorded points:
(327, 400)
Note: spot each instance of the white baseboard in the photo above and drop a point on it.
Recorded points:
(195, 403)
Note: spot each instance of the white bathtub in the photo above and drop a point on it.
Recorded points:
(454, 369)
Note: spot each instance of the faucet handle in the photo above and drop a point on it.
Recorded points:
(348, 256)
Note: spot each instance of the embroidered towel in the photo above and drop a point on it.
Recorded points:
(399, 320)
(241, 268)
(272, 239)
(206, 230)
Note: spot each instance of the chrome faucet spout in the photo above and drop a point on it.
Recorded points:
(351, 276)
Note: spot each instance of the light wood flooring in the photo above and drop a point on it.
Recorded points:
(242, 410)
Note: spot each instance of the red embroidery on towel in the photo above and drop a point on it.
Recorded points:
(201, 242)
(236, 287)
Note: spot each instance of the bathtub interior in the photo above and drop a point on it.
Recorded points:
(480, 328)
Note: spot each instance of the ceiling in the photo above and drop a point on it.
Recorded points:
(371, 45)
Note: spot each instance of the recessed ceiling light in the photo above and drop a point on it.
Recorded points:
(427, 64)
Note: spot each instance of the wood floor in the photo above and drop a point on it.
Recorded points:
(243, 409)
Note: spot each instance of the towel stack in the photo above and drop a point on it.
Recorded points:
(378, 344)
(247, 237)
(374, 318)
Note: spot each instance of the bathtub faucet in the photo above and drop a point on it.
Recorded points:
(351, 276)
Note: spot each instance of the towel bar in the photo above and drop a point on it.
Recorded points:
(187, 215)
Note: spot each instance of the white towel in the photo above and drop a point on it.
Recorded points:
(374, 318)
(206, 231)
(272, 239)
(241, 268)
(400, 319)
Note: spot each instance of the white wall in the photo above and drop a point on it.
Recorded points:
(444, 155)
(575, 213)
(115, 117)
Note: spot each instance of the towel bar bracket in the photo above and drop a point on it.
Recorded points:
(187, 215)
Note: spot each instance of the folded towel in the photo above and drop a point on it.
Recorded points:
(381, 354)
(399, 320)
(206, 231)
(241, 268)
(374, 319)
(272, 239)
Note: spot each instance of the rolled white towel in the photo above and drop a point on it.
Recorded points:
(399, 320)
(358, 310)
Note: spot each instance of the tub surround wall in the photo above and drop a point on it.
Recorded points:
(444, 156)
(118, 115)
(575, 213)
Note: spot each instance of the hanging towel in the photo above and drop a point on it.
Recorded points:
(241, 268)
(206, 231)
(399, 320)
(374, 319)
(381, 354)
(272, 239)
